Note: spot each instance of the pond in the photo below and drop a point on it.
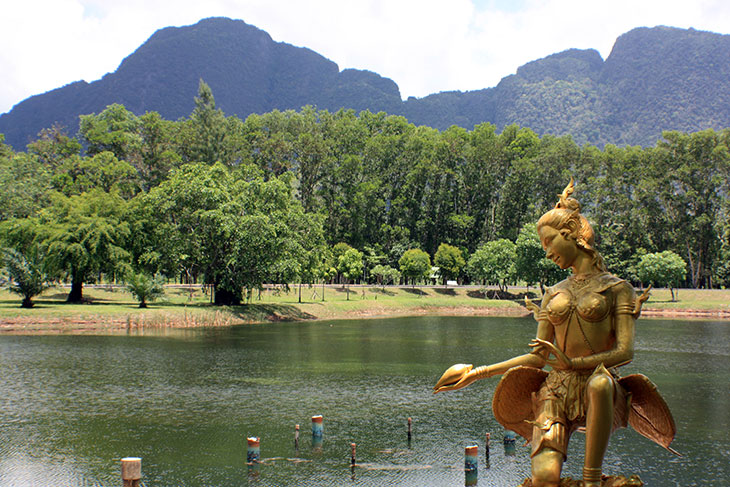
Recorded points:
(185, 401)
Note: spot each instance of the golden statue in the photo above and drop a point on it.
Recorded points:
(585, 331)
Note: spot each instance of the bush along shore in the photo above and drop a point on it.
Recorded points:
(110, 309)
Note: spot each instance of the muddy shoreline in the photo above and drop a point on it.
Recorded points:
(27, 325)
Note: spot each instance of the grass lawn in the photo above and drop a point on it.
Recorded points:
(114, 309)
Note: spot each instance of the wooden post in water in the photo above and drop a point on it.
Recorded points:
(486, 447)
(131, 471)
(317, 426)
(253, 455)
(296, 437)
(353, 447)
(410, 422)
(510, 438)
(471, 457)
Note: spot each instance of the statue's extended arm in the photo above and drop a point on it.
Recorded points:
(461, 375)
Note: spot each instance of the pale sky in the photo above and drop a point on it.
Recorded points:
(425, 46)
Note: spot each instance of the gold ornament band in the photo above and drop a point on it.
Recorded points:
(481, 372)
(591, 474)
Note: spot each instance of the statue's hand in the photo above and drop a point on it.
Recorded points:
(455, 377)
(561, 361)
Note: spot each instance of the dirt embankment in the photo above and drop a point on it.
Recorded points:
(721, 314)
(119, 324)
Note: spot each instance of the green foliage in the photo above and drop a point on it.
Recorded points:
(24, 182)
(694, 170)
(493, 263)
(415, 264)
(144, 287)
(77, 175)
(350, 264)
(207, 124)
(85, 236)
(236, 233)
(290, 184)
(114, 130)
(385, 274)
(449, 261)
(26, 274)
(665, 269)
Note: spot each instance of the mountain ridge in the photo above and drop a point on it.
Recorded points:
(654, 79)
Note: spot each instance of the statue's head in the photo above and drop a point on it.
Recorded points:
(572, 226)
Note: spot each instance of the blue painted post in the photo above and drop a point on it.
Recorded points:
(510, 438)
(254, 450)
(471, 457)
(471, 478)
(317, 426)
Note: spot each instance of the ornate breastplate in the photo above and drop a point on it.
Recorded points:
(584, 296)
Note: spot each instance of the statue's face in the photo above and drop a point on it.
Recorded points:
(561, 250)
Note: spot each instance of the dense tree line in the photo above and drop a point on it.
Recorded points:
(235, 203)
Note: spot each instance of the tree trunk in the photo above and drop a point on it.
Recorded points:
(224, 297)
(77, 290)
(27, 302)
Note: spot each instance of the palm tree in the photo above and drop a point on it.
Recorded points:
(26, 274)
(145, 287)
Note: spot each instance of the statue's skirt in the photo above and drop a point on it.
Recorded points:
(514, 404)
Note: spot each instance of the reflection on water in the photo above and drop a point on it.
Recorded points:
(185, 402)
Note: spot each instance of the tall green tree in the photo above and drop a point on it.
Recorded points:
(691, 176)
(103, 171)
(237, 233)
(493, 263)
(385, 274)
(24, 182)
(662, 269)
(350, 265)
(449, 261)
(415, 264)
(208, 127)
(53, 146)
(84, 237)
(114, 130)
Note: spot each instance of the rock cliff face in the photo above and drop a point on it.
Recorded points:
(654, 79)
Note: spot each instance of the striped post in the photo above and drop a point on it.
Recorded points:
(471, 457)
(317, 426)
(253, 454)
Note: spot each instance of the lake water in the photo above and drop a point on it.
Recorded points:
(185, 401)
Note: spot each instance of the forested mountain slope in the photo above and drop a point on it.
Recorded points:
(655, 79)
